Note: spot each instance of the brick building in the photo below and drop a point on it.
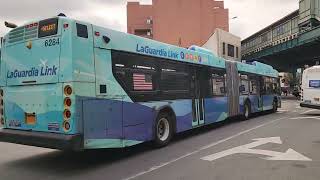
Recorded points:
(179, 22)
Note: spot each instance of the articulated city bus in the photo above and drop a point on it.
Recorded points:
(310, 88)
(73, 85)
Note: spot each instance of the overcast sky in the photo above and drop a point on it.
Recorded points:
(253, 15)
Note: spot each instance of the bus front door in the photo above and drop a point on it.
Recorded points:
(198, 113)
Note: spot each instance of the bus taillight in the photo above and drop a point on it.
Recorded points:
(2, 122)
(67, 114)
(65, 26)
(67, 90)
(67, 102)
(66, 125)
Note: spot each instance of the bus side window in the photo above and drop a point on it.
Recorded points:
(82, 30)
(244, 84)
(269, 85)
(218, 82)
(253, 85)
(262, 85)
(276, 86)
(174, 80)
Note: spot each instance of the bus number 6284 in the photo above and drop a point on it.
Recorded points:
(51, 42)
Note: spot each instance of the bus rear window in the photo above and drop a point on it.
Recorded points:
(82, 31)
(48, 27)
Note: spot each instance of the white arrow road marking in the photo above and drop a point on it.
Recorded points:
(154, 168)
(282, 110)
(306, 112)
(289, 155)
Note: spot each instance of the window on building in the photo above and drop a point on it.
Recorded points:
(264, 37)
(230, 50)
(142, 32)
(237, 52)
(224, 48)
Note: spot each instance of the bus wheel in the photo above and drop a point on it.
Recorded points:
(163, 130)
(247, 111)
(274, 106)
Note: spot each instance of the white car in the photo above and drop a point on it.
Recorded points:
(310, 88)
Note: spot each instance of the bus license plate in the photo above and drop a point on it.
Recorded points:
(30, 119)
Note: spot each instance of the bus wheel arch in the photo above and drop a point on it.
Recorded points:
(166, 122)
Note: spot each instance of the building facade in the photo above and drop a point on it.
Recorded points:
(178, 22)
(225, 45)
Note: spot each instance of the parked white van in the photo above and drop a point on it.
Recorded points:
(310, 88)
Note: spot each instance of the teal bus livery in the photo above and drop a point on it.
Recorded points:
(71, 85)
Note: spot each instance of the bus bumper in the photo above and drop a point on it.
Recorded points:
(307, 105)
(42, 139)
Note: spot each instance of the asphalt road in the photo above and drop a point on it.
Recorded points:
(291, 154)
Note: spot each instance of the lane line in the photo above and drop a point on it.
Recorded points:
(308, 117)
(309, 111)
(282, 110)
(201, 149)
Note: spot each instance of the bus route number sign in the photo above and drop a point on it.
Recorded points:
(48, 27)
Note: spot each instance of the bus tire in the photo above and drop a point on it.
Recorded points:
(163, 130)
(274, 106)
(247, 111)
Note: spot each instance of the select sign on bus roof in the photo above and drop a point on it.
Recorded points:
(71, 85)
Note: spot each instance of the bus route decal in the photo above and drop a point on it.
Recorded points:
(168, 53)
(33, 72)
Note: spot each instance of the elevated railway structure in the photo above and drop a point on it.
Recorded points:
(290, 43)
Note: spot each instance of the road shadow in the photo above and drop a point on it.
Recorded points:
(313, 114)
(70, 163)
